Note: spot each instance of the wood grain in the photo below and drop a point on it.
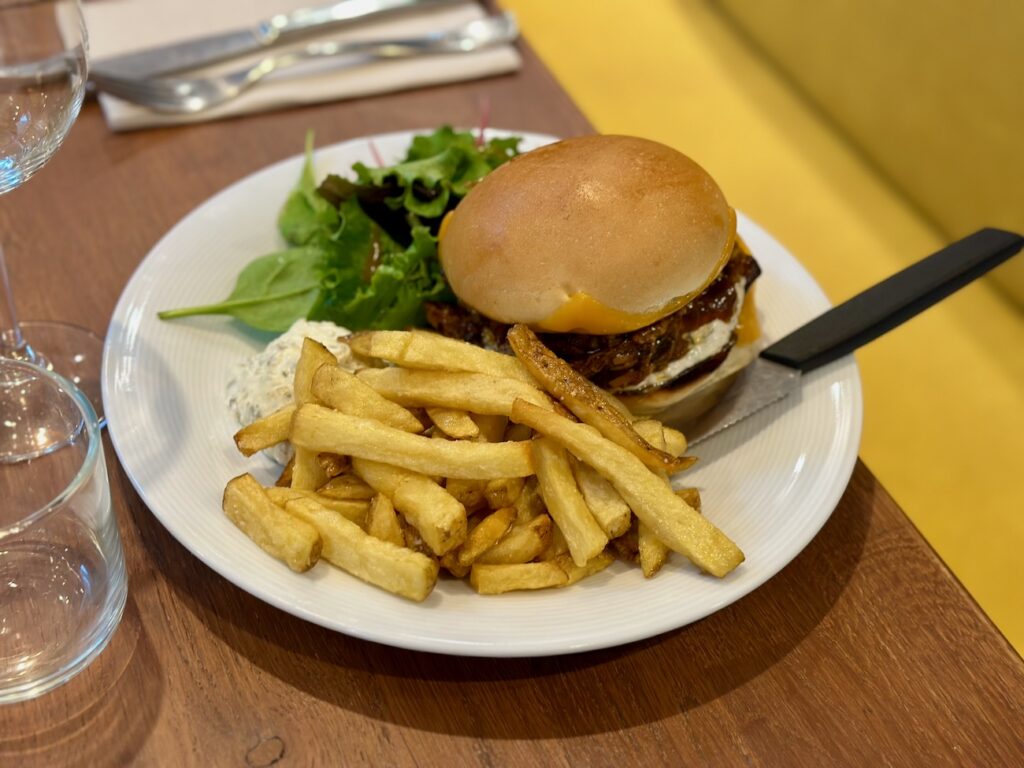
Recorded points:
(864, 651)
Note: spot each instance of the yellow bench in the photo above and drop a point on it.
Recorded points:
(787, 131)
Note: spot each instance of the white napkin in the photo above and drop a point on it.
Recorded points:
(122, 26)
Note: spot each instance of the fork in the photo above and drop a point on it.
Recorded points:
(182, 95)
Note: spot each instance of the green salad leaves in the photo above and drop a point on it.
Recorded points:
(362, 252)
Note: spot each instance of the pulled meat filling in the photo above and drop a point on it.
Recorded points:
(621, 360)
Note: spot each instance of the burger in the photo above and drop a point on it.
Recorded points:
(622, 254)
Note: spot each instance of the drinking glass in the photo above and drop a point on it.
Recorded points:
(43, 69)
(62, 573)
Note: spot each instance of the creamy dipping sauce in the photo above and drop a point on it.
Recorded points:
(263, 383)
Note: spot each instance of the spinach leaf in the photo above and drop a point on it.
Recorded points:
(306, 215)
(271, 293)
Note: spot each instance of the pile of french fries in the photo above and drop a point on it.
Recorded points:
(515, 472)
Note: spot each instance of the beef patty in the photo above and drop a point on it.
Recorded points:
(622, 360)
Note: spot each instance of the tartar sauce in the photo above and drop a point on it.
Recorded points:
(263, 383)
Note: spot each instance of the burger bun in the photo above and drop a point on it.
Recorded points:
(614, 233)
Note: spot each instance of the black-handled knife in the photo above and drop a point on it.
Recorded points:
(775, 373)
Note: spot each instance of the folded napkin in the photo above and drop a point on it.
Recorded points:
(123, 26)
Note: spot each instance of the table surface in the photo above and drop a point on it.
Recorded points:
(864, 650)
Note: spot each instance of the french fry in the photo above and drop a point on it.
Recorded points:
(344, 391)
(486, 534)
(352, 510)
(307, 474)
(346, 487)
(316, 428)
(475, 392)
(497, 579)
(691, 496)
(650, 430)
(266, 432)
(664, 438)
(675, 441)
(523, 543)
(564, 502)
(453, 422)
(605, 503)
(576, 573)
(421, 349)
(673, 521)
(627, 546)
(381, 563)
(412, 539)
(504, 492)
(492, 428)
(382, 522)
(450, 562)
(332, 464)
(296, 543)
(284, 480)
(472, 461)
(651, 550)
(529, 504)
(434, 512)
(469, 493)
(591, 404)
(518, 432)
(557, 545)
(653, 432)
(313, 356)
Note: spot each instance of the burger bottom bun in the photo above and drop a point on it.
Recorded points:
(683, 405)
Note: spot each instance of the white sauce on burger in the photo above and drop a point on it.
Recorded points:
(706, 341)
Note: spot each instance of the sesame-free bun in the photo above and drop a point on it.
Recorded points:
(596, 234)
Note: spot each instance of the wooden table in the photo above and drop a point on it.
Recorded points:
(864, 651)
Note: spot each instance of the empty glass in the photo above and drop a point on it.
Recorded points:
(62, 572)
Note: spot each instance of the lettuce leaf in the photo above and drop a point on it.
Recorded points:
(438, 170)
(364, 250)
(395, 286)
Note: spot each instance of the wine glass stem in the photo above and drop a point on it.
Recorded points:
(12, 343)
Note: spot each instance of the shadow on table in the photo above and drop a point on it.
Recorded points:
(530, 698)
(102, 716)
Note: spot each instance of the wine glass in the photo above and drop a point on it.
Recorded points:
(43, 70)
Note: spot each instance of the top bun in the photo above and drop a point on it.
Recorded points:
(597, 234)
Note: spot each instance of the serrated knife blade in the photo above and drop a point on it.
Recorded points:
(756, 387)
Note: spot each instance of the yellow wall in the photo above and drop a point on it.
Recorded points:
(931, 93)
(943, 394)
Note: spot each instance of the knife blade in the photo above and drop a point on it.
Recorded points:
(278, 30)
(776, 372)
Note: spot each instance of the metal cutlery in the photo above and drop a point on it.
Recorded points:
(280, 29)
(186, 95)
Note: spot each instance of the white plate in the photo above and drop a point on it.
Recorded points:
(770, 483)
